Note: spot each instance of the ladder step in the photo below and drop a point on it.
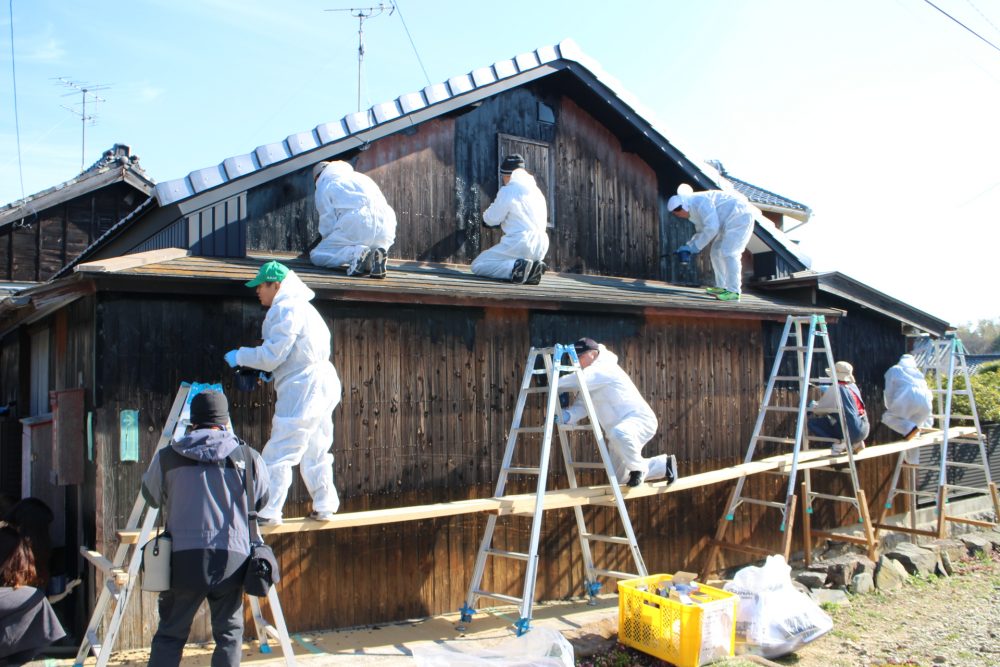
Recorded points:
(587, 465)
(817, 438)
(962, 441)
(616, 574)
(794, 348)
(828, 496)
(972, 489)
(954, 392)
(765, 503)
(502, 553)
(772, 438)
(576, 427)
(789, 378)
(529, 429)
(962, 464)
(780, 408)
(927, 494)
(953, 416)
(522, 470)
(536, 390)
(497, 596)
(611, 539)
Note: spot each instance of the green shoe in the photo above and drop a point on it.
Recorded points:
(726, 295)
(715, 290)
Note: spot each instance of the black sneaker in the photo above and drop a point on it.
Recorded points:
(634, 478)
(535, 276)
(379, 255)
(361, 264)
(521, 271)
(671, 469)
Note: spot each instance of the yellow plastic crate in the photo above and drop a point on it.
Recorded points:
(685, 635)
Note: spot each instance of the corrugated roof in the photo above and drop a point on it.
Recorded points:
(411, 282)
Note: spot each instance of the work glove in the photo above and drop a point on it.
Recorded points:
(230, 358)
(266, 376)
(684, 253)
(564, 417)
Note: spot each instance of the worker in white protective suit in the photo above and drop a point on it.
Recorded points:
(908, 399)
(356, 222)
(520, 211)
(724, 219)
(627, 420)
(296, 349)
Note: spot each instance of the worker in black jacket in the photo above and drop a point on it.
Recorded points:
(198, 481)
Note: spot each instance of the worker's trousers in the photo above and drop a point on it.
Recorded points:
(625, 442)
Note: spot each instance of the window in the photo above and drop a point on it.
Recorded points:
(536, 162)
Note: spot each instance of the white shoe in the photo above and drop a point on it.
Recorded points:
(361, 264)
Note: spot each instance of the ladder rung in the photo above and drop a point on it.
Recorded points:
(508, 554)
(953, 416)
(789, 378)
(973, 489)
(536, 390)
(497, 596)
(587, 465)
(796, 348)
(612, 539)
(829, 496)
(962, 464)
(955, 392)
(780, 408)
(529, 429)
(773, 438)
(817, 438)
(615, 574)
(765, 503)
(822, 411)
(842, 468)
(928, 494)
(522, 471)
(575, 427)
(962, 441)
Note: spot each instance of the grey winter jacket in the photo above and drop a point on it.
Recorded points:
(200, 488)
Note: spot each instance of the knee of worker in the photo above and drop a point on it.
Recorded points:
(492, 265)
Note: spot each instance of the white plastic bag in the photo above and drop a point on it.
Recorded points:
(775, 618)
(538, 646)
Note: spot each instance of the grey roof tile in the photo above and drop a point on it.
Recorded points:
(483, 76)
(505, 68)
(175, 190)
(526, 61)
(358, 121)
(547, 54)
(240, 165)
(272, 153)
(461, 84)
(206, 178)
(385, 111)
(436, 92)
(300, 142)
(411, 102)
(330, 132)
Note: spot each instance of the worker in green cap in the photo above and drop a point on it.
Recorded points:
(296, 349)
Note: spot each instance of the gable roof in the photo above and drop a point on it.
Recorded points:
(116, 164)
(765, 199)
(236, 174)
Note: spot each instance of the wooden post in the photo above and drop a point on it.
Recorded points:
(806, 529)
(790, 525)
(941, 518)
(996, 502)
(866, 519)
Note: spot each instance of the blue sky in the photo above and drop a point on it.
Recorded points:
(881, 116)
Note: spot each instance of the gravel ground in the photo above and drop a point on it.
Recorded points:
(948, 621)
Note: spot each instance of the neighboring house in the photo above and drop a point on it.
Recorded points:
(41, 234)
(431, 358)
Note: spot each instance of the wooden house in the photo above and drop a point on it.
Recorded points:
(431, 357)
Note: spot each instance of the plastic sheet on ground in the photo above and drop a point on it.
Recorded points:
(538, 647)
(774, 617)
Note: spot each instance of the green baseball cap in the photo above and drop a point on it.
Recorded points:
(271, 272)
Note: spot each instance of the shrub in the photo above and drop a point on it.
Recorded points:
(986, 389)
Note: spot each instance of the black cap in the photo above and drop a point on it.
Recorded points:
(585, 345)
(209, 408)
(511, 162)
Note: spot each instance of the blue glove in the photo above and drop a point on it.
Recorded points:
(266, 376)
(566, 417)
(230, 358)
(687, 248)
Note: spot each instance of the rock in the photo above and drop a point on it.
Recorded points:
(862, 584)
(890, 575)
(839, 572)
(945, 568)
(954, 548)
(831, 596)
(811, 579)
(916, 560)
(993, 536)
(976, 544)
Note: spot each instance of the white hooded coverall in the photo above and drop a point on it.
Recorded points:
(296, 350)
(353, 216)
(521, 212)
(908, 399)
(726, 217)
(627, 420)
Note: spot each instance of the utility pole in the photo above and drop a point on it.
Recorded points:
(83, 89)
(363, 13)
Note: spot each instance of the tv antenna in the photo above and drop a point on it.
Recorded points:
(84, 89)
(362, 13)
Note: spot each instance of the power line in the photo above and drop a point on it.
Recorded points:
(421, 62)
(985, 17)
(17, 121)
(962, 24)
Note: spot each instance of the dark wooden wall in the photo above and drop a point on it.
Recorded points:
(608, 213)
(428, 398)
(47, 240)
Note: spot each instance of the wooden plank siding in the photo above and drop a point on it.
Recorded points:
(428, 398)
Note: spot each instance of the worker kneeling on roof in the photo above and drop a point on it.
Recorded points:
(296, 349)
(356, 222)
(627, 420)
(908, 399)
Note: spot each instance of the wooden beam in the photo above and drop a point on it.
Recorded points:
(131, 261)
(585, 495)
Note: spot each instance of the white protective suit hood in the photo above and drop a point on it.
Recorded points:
(908, 399)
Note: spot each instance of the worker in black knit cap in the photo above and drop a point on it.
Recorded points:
(520, 211)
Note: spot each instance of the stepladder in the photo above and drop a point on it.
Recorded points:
(526, 463)
(119, 577)
(782, 430)
(952, 467)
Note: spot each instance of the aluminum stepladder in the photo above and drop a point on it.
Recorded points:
(801, 337)
(943, 360)
(122, 574)
(554, 367)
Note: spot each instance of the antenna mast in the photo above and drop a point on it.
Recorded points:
(363, 13)
(84, 89)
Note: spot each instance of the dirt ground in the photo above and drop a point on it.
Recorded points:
(950, 621)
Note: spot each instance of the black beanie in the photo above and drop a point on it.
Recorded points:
(585, 345)
(510, 163)
(209, 408)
